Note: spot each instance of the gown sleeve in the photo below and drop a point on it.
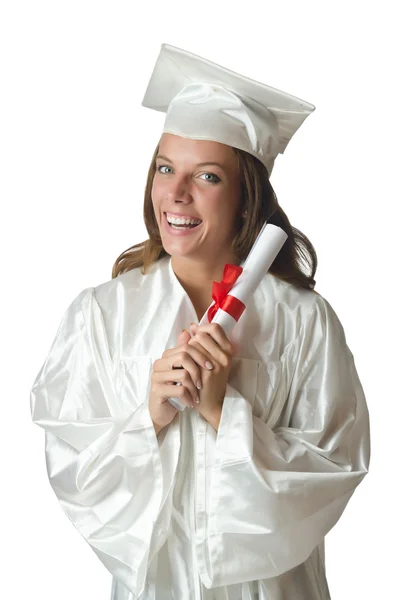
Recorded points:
(103, 461)
(276, 493)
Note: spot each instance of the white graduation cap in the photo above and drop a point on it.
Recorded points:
(205, 101)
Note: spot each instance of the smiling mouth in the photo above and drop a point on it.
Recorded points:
(177, 226)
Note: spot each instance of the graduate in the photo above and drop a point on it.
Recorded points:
(230, 498)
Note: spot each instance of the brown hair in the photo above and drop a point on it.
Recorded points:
(260, 201)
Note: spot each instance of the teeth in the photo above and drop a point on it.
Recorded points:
(182, 221)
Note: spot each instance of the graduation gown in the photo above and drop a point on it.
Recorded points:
(238, 514)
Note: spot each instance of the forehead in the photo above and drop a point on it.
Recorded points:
(178, 148)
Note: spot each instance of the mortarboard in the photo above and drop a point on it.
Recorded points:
(205, 101)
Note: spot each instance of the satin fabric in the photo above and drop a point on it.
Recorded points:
(212, 112)
(238, 514)
(205, 101)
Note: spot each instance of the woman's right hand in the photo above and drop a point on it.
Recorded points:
(186, 360)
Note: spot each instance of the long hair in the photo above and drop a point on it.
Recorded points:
(260, 201)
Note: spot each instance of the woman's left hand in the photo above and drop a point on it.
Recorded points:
(212, 341)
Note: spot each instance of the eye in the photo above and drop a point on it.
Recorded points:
(215, 178)
(162, 167)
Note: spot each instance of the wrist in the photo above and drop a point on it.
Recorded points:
(157, 428)
(215, 417)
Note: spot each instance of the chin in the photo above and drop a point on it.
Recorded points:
(175, 252)
(178, 252)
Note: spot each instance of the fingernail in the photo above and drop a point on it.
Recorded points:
(208, 364)
(185, 330)
(197, 400)
(198, 385)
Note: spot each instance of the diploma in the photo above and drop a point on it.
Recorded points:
(230, 296)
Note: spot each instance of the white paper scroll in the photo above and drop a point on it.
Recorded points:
(264, 251)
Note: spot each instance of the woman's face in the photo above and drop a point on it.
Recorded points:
(188, 183)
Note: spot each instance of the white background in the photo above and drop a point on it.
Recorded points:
(75, 148)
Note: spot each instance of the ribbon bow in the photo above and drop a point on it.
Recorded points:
(233, 306)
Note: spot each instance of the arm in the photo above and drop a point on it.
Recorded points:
(103, 459)
(215, 418)
(276, 493)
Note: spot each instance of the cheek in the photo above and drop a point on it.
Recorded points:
(225, 210)
(157, 196)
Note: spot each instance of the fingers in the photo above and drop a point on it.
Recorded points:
(182, 366)
(183, 337)
(217, 332)
(164, 384)
(213, 339)
(183, 355)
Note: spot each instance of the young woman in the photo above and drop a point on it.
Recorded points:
(232, 497)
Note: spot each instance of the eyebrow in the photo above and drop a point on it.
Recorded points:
(202, 164)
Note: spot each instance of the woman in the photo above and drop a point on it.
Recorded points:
(231, 498)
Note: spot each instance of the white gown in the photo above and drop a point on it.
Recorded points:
(238, 514)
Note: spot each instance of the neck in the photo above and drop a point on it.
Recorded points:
(197, 276)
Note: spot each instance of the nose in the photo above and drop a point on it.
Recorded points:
(178, 190)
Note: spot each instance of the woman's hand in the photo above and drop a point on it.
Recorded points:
(201, 365)
(212, 340)
(177, 365)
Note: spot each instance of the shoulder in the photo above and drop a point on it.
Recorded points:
(307, 309)
(288, 297)
(127, 284)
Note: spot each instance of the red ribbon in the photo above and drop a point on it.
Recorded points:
(233, 306)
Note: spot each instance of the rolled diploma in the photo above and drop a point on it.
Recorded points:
(267, 245)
